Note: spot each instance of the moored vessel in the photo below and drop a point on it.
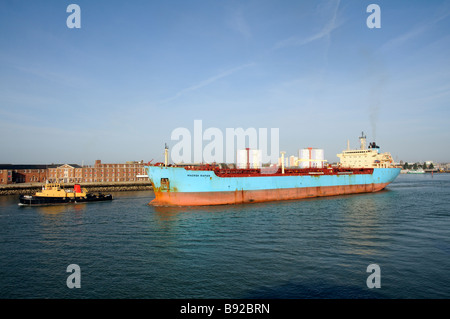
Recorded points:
(55, 194)
(359, 171)
(417, 171)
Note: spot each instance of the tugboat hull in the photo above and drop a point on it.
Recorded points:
(29, 200)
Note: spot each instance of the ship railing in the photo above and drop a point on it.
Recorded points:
(294, 171)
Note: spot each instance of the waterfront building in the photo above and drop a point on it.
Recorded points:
(73, 173)
(23, 173)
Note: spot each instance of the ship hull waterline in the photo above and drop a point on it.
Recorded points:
(205, 188)
(258, 196)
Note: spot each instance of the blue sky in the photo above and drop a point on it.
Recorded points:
(117, 87)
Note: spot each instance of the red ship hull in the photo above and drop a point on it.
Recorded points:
(254, 196)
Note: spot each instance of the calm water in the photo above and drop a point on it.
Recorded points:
(317, 248)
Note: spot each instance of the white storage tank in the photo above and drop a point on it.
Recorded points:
(311, 157)
(293, 160)
(255, 159)
(303, 156)
(317, 157)
(248, 156)
(241, 159)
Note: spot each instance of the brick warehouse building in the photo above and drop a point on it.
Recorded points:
(24, 173)
(73, 173)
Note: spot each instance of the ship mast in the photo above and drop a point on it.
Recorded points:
(362, 138)
(166, 155)
(282, 162)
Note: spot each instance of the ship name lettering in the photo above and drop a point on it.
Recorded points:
(198, 175)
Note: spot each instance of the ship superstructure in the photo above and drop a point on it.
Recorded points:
(365, 157)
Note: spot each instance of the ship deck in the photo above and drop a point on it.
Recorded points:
(254, 172)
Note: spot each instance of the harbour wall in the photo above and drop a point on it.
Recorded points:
(31, 188)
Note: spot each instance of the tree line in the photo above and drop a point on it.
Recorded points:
(418, 165)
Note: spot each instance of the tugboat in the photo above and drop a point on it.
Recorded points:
(54, 194)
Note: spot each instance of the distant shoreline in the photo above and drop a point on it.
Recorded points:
(31, 188)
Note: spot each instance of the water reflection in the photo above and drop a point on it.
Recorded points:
(8, 200)
(363, 231)
(59, 209)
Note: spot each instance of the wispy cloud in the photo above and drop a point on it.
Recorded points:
(207, 82)
(418, 30)
(57, 77)
(325, 32)
(316, 82)
(238, 23)
(402, 39)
